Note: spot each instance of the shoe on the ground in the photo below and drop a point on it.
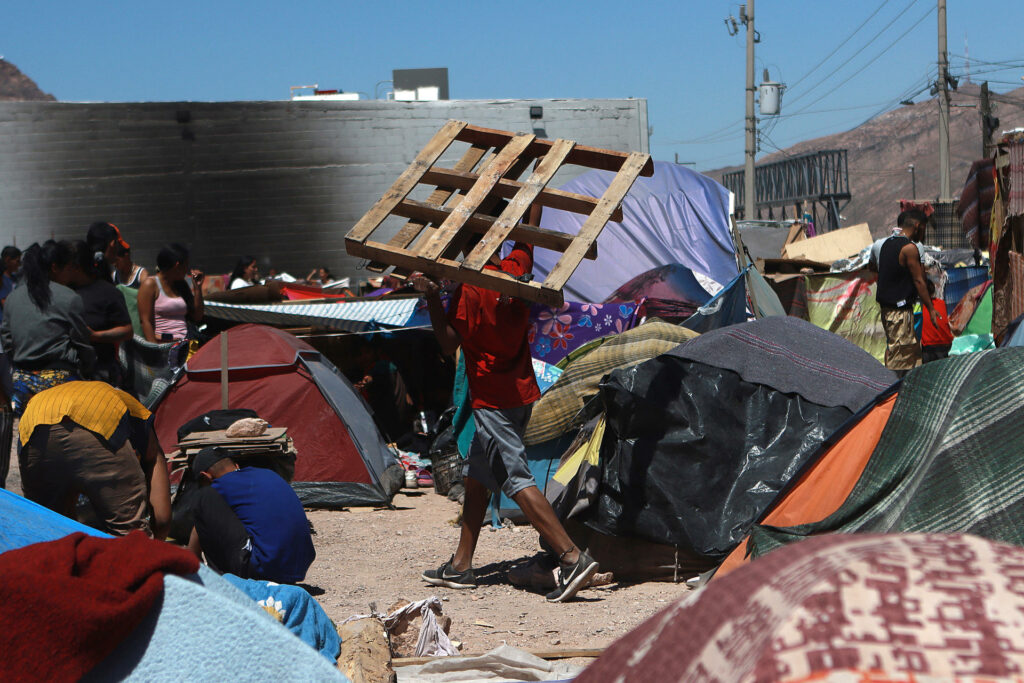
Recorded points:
(445, 575)
(572, 579)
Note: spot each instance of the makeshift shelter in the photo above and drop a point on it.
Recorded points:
(700, 440)
(895, 608)
(675, 216)
(947, 460)
(201, 627)
(342, 458)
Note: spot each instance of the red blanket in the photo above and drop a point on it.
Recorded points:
(66, 604)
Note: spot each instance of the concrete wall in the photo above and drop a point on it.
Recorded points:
(282, 181)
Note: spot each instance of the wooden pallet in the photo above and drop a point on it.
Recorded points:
(467, 193)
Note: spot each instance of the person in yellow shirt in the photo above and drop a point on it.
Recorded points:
(91, 439)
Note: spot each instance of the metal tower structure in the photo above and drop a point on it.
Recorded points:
(814, 182)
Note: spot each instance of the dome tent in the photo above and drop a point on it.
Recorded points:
(342, 457)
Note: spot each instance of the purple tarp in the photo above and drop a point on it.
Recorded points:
(675, 216)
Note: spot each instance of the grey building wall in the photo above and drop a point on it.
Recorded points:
(282, 181)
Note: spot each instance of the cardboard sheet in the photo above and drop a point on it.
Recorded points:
(831, 246)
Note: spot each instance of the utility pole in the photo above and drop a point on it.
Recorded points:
(749, 199)
(913, 181)
(988, 122)
(944, 189)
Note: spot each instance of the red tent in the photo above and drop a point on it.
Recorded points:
(342, 457)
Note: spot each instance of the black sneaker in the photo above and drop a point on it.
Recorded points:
(445, 575)
(572, 579)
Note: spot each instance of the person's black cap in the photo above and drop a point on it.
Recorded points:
(207, 458)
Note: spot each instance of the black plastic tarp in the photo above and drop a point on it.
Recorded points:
(693, 454)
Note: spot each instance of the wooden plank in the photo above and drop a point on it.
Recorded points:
(581, 155)
(520, 204)
(592, 227)
(523, 232)
(568, 653)
(506, 189)
(489, 177)
(406, 182)
(452, 270)
(411, 230)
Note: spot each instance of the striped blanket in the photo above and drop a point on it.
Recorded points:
(554, 413)
(948, 460)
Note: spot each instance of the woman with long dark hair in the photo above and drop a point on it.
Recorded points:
(244, 274)
(172, 297)
(105, 312)
(43, 330)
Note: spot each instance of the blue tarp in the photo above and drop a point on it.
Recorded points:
(23, 522)
(675, 216)
(728, 307)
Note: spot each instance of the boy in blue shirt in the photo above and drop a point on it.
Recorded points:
(249, 522)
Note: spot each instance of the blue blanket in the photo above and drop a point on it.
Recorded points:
(297, 610)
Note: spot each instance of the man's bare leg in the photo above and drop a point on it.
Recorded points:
(538, 510)
(473, 510)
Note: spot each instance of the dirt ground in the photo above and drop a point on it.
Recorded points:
(367, 555)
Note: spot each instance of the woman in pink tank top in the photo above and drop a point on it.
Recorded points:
(168, 299)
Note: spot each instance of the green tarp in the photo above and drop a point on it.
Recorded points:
(949, 459)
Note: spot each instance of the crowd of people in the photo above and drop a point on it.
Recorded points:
(86, 446)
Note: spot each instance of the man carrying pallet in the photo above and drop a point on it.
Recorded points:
(492, 328)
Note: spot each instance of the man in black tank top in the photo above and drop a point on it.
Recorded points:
(901, 281)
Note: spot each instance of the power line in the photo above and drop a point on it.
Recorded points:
(982, 61)
(840, 45)
(872, 60)
(851, 57)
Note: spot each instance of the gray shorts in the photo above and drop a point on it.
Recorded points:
(497, 457)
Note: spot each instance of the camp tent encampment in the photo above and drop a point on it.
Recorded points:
(943, 456)
(700, 440)
(342, 457)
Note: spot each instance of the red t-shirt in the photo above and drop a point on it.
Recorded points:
(493, 329)
(932, 335)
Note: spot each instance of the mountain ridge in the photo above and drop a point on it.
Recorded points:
(17, 87)
(880, 150)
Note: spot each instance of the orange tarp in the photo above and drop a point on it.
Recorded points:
(294, 292)
(825, 486)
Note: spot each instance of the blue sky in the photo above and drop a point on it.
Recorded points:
(677, 54)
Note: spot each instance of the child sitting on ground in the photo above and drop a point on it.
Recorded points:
(935, 339)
